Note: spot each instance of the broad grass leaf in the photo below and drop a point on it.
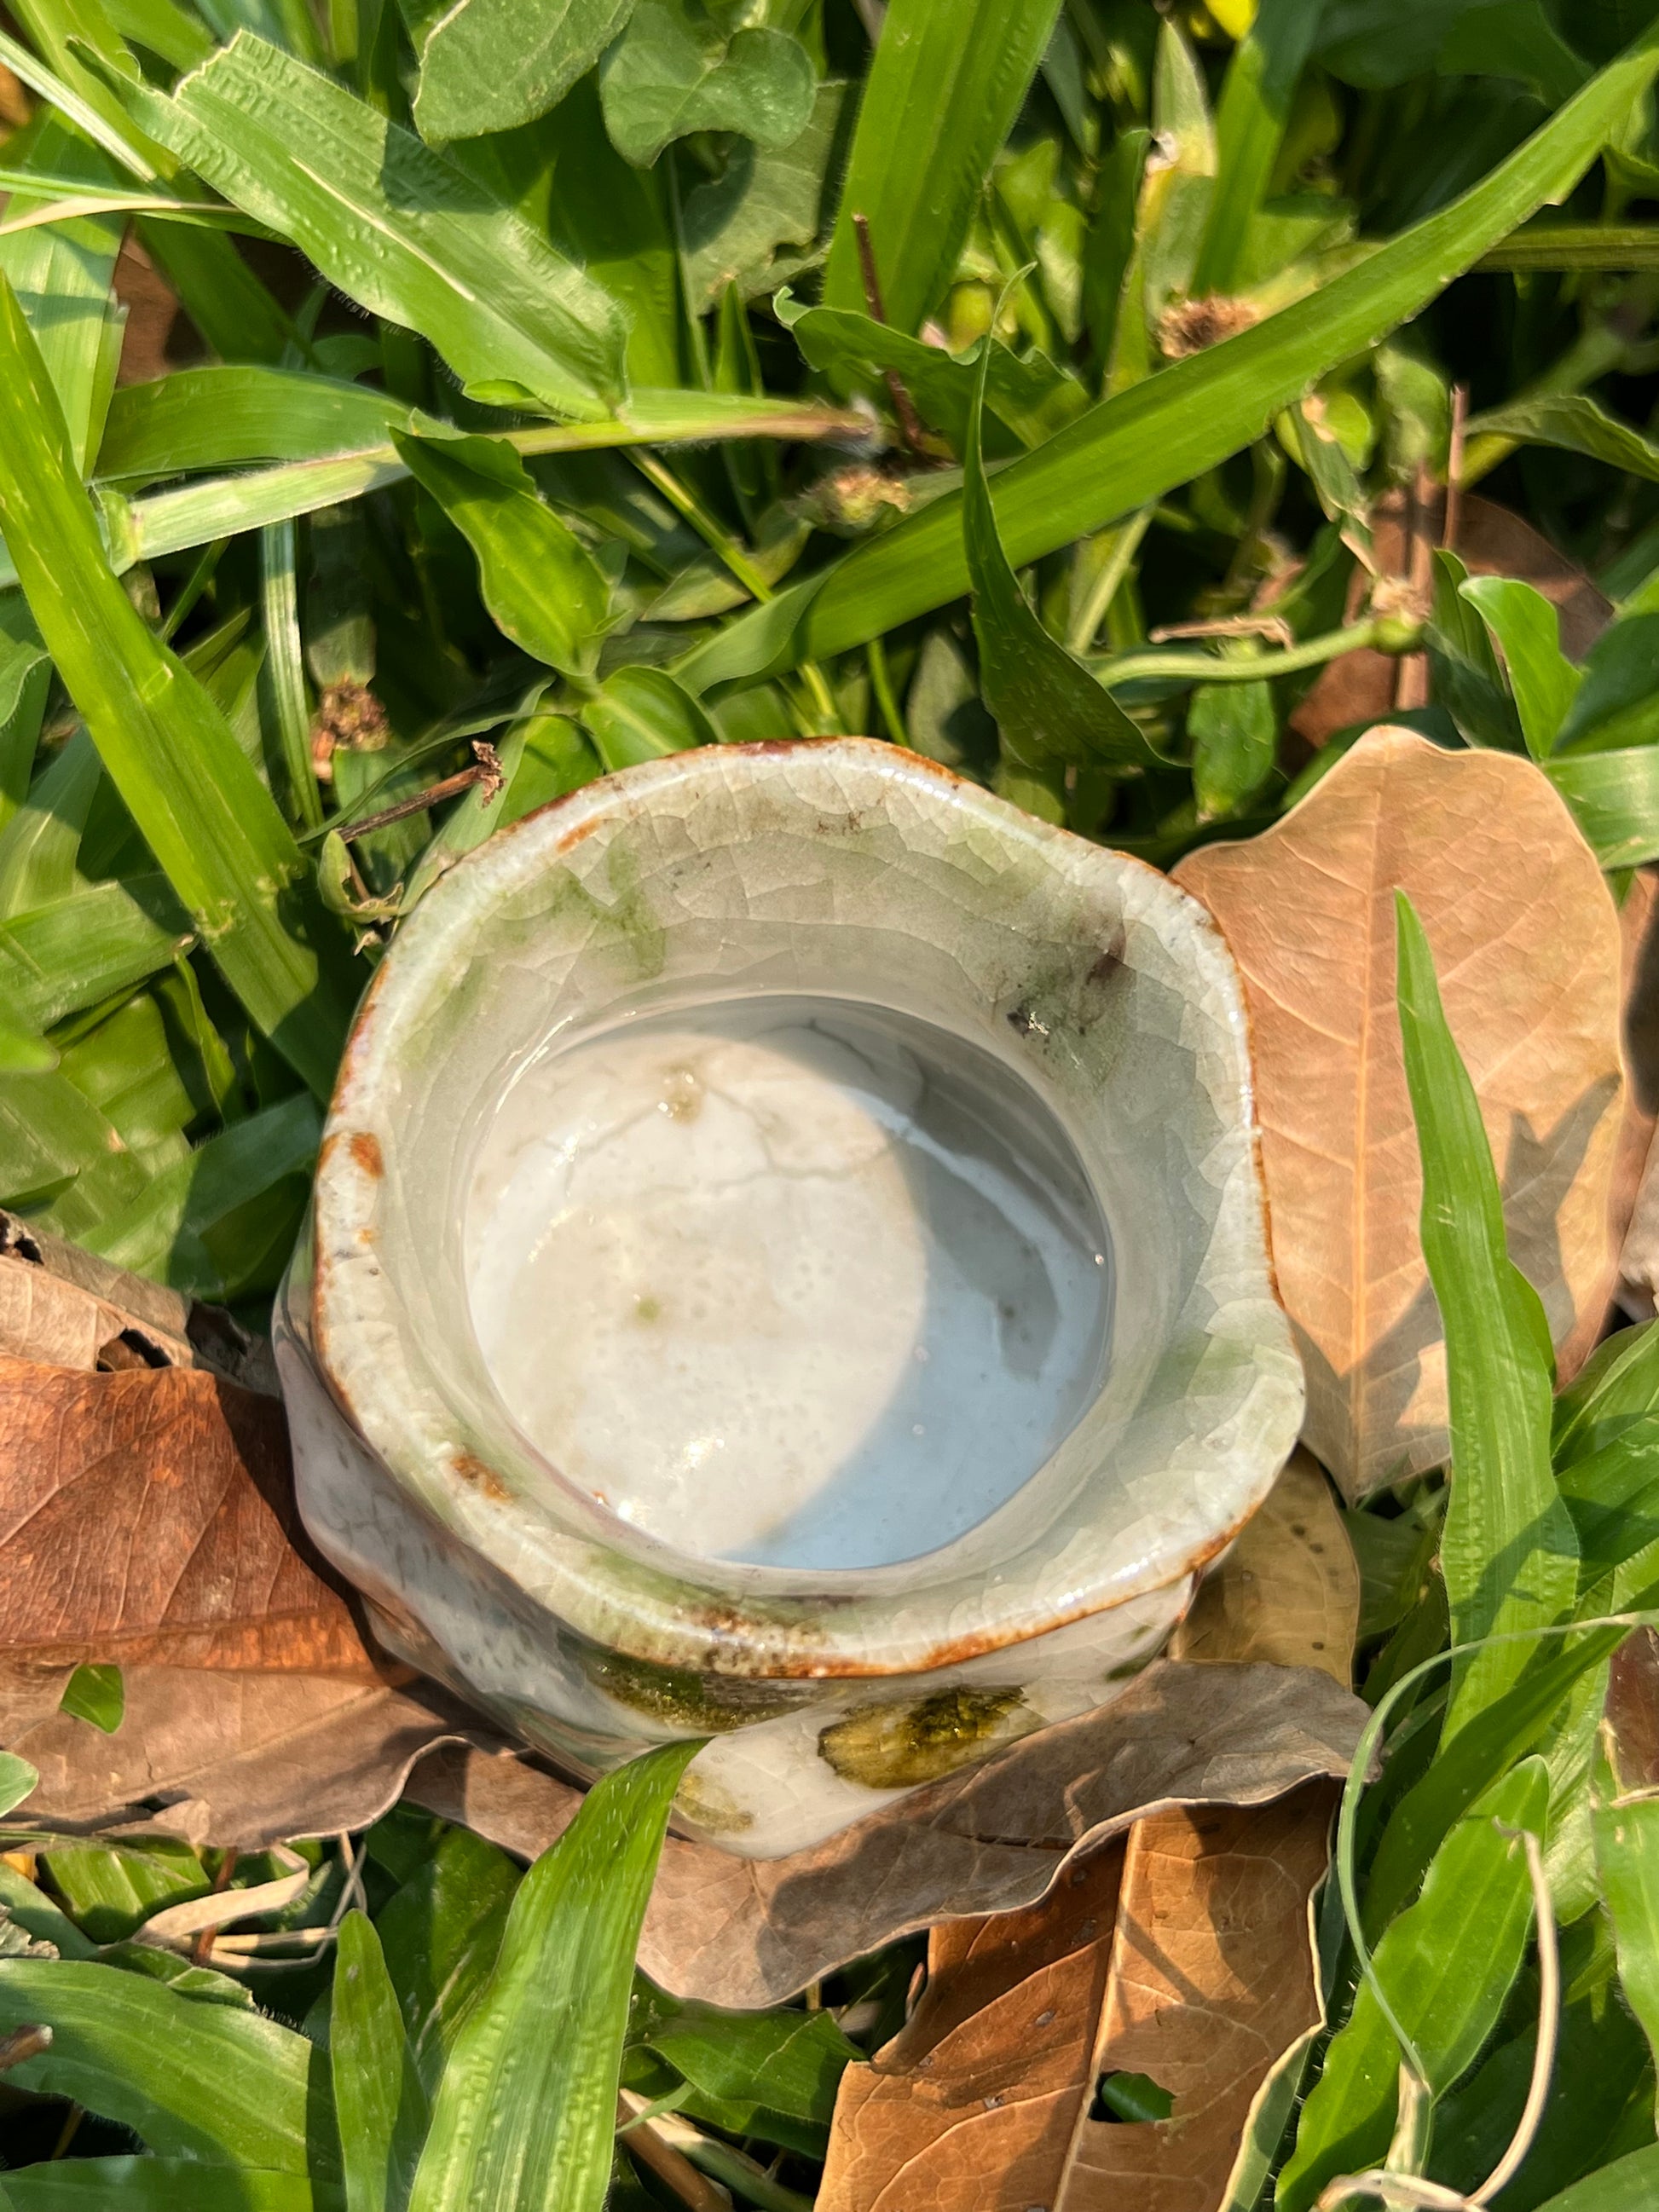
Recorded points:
(1614, 797)
(400, 230)
(1626, 2185)
(377, 2095)
(1543, 681)
(99, 940)
(25, 680)
(17, 1779)
(97, 1694)
(162, 2184)
(1529, 949)
(944, 90)
(1573, 423)
(1235, 732)
(1256, 102)
(221, 1222)
(543, 586)
(1136, 447)
(525, 2113)
(616, 223)
(228, 2087)
(1447, 1965)
(39, 845)
(190, 788)
(486, 65)
(62, 278)
(640, 713)
(440, 1935)
(675, 69)
(784, 2062)
(1509, 1552)
(1052, 713)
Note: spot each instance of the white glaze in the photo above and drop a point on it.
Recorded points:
(786, 1280)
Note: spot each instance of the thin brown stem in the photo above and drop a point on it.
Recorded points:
(204, 1951)
(671, 2167)
(909, 422)
(1454, 516)
(486, 770)
(27, 2042)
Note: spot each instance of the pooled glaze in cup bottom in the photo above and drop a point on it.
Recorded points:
(786, 1279)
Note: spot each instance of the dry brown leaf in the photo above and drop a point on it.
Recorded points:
(244, 1760)
(1289, 1589)
(70, 1309)
(148, 1517)
(1525, 942)
(973, 2106)
(1212, 1978)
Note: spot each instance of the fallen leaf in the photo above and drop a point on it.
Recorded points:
(245, 1759)
(1212, 1976)
(70, 1309)
(148, 1517)
(1526, 941)
(1289, 1591)
(973, 2106)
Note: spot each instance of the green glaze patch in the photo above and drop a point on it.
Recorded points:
(897, 1747)
(698, 1705)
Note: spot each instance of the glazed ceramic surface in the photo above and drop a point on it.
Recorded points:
(788, 1266)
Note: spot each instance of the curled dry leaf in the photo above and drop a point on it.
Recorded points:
(1288, 1590)
(1526, 941)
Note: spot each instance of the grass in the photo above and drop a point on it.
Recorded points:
(648, 415)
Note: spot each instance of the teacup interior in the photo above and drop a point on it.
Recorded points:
(789, 1280)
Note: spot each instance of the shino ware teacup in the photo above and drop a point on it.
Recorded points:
(788, 1266)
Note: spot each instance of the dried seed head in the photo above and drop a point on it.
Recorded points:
(348, 716)
(1188, 327)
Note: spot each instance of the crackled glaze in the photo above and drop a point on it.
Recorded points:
(789, 1268)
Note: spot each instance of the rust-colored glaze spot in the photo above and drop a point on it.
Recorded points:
(473, 1472)
(366, 1150)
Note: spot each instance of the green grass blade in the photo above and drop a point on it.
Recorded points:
(1052, 713)
(377, 2092)
(1508, 1552)
(162, 2184)
(226, 416)
(206, 817)
(62, 279)
(1527, 630)
(207, 1224)
(106, 939)
(525, 2113)
(1572, 424)
(286, 667)
(100, 118)
(95, 1695)
(25, 680)
(193, 2081)
(1628, 2185)
(399, 228)
(38, 845)
(640, 713)
(946, 83)
(1255, 105)
(1447, 1967)
(1137, 447)
(1614, 797)
(543, 586)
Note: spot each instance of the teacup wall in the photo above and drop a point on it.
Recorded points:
(788, 1266)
